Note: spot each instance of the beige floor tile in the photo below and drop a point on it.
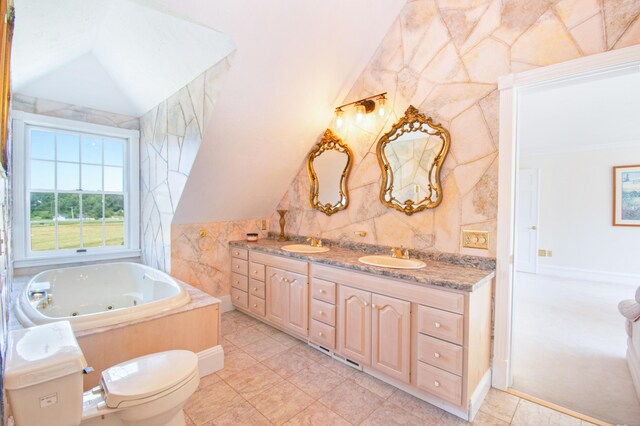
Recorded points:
(264, 348)
(427, 412)
(267, 329)
(253, 381)
(247, 321)
(530, 414)
(501, 405)
(351, 401)
(208, 380)
(287, 363)
(281, 402)
(210, 402)
(188, 421)
(317, 415)
(246, 336)
(338, 367)
(481, 419)
(309, 352)
(391, 414)
(380, 388)
(242, 414)
(316, 380)
(286, 340)
(235, 362)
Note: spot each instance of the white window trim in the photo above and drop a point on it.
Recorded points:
(22, 255)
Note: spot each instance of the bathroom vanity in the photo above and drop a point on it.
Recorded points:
(425, 331)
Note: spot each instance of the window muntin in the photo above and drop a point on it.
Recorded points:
(76, 190)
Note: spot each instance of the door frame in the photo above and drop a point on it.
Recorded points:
(509, 87)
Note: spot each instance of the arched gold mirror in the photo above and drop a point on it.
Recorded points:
(410, 157)
(329, 164)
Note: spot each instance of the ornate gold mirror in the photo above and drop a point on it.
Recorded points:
(410, 156)
(329, 164)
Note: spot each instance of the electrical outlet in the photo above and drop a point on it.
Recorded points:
(264, 225)
(549, 253)
(542, 253)
(475, 239)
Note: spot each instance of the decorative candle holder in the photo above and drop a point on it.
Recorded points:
(282, 222)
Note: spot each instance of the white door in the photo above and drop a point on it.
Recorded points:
(526, 253)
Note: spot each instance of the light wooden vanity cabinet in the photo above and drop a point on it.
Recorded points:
(432, 342)
(277, 290)
(375, 330)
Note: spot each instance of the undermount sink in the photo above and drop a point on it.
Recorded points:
(304, 248)
(392, 262)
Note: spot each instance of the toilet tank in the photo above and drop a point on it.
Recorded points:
(43, 375)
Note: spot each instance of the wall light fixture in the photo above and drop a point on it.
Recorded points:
(363, 106)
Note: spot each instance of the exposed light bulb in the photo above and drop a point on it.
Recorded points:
(360, 111)
(381, 106)
(339, 119)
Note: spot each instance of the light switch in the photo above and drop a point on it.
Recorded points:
(475, 239)
(542, 253)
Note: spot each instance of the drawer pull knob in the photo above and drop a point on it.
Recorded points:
(255, 305)
(320, 334)
(322, 291)
(281, 278)
(366, 304)
(237, 266)
(255, 272)
(321, 313)
(374, 306)
(237, 282)
(237, 253)
(436, 355)
(437, 324)
(436, 384)
(237, 297)
(255, 289)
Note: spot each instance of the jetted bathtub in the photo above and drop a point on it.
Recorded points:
(98, 295)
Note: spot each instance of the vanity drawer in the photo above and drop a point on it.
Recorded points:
(239, 298)
(239, 281)
(440, 383)
(441, 354)
(322, 334)
(323, 311)
(239, 253)
(323, 290)
(256, 288)
(256, 271)
(256, 305)
(239, 266)
(441, 324)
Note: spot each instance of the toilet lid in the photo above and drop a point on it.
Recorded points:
(147, 375)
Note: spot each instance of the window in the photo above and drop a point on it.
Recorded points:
(80, 189)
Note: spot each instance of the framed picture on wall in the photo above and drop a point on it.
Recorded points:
(626, 195)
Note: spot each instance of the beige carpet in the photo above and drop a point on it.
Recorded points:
(569, 346)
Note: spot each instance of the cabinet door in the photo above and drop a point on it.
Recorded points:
(297, 308)
(355, 324)
(390, 338)
(276, 296)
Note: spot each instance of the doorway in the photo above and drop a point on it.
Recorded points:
(559, 336)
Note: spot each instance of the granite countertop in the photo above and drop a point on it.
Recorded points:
(458, 272)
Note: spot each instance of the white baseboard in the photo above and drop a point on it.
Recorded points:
(589, 275)
(210, 360)
(226, 304)
(479, 394)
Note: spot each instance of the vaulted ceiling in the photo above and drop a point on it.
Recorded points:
(113, 55)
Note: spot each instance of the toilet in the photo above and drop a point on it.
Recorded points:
(44, 373)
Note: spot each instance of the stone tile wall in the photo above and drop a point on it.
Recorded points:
(204, 261)
(170, 136)
(73, 112)
(445, 57)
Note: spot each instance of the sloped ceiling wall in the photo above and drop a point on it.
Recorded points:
(294, 60)
(119, 56)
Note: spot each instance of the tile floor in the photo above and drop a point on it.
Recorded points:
(270, 378)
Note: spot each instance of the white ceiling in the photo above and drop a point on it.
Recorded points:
(295, 61)
(113, 55)
(583, 113)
